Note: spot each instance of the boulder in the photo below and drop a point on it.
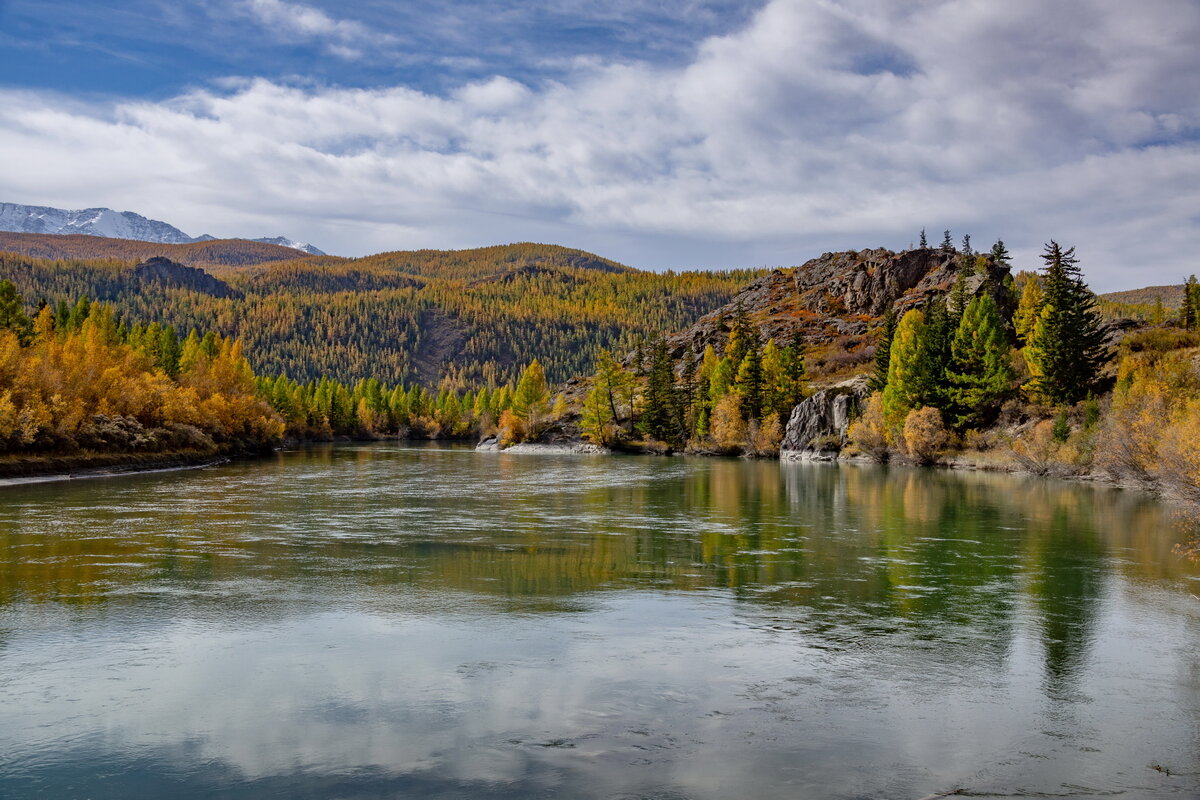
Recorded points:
(816, 429)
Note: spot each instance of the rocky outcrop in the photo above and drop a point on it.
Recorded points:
(491, 444)
(816, 430)
(165, 272)
(836, 301)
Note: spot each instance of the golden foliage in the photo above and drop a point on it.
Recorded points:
(870, 433)
(1152, 431)
(764, 438)
(512, 428)
(1037, 451)
(84, 389)
(727, 428)
(925, 435)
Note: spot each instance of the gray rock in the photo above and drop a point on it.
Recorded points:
(816, 430)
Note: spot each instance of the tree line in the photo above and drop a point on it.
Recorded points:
(734, 402)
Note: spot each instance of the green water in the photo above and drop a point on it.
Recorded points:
(382, 621)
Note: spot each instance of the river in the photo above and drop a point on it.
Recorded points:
(391, 621)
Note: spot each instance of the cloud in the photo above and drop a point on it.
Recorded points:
(342, 38)
(817, 126)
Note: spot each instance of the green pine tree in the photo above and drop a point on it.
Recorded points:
(1000, 253)
(980, 372)
(1190, 311)
(883, 351)
(1068, 345)
(947, 244)
(749, 383)
(659, 412)
(940, 326)
(12, 312)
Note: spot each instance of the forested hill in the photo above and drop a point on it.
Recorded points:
(431, 316)
(484, 263)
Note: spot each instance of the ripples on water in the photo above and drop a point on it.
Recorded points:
(384, 621)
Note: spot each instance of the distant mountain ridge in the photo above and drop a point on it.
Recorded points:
(110, 224)
(208, 253)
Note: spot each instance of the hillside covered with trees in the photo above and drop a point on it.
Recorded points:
(80, 386)
(455, 318)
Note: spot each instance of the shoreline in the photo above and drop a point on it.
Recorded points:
(52, 468)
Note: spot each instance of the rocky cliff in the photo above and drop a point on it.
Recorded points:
(836, 302)
(816, 430)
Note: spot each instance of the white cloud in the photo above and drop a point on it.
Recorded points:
(342, 38)
(821, 125)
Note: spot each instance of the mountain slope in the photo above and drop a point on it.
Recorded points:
(89, 222)
(463, 316)
(283, 241)
(110, 224)
(207, 253)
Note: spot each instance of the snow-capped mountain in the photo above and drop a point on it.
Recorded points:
(89, 222)
(110, 224)
(283, 241)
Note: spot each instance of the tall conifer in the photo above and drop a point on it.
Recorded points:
(980, 372)
(1067, 348)
(883, 351)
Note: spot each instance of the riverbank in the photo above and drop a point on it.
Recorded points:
(52, 467)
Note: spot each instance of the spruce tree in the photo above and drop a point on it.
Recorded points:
(1000, 253)
(958, 295)
(750, 383)
(12, 312)
(980, 373)
(658, 412)
(924, 243)
(1068, 346)
(883, 351)
(1189, 313)
(947, 244)
(794, 373)
(940, 326)
(966, 246)
(168, 351)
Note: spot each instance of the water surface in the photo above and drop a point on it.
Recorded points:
(384, 621)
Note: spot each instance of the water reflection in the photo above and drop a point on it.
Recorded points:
(431, 622)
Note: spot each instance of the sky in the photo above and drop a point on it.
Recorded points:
(695, 134)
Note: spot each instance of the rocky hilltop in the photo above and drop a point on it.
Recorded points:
(837, 301)
(165, 272)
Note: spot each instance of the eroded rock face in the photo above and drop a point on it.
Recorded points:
(817, 427)
(841, 297)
